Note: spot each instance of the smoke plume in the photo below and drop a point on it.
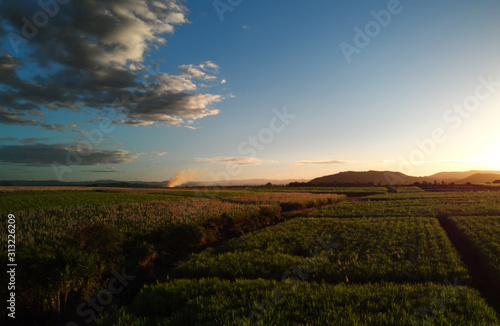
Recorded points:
(182, 177)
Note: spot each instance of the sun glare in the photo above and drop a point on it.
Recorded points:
(492, 158)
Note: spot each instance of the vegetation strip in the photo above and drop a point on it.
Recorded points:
(214, 302)
(483, 276)
(371, 250)
(71, 253)
(416, 204)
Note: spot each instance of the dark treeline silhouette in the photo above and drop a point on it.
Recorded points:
(336, 184)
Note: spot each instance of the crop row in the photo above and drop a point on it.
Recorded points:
(14, 200)
(484, 233)
(214, 302)
(288, 201)
(416, 204)
(70, 251)
(366, 250)
(52, 224)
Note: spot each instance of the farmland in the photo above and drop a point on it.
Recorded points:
(368, 250)
(252, 302)
(52, 224)
(70, 241)
(484, 233)
(417, 204)
(270, 255)
(13, 199)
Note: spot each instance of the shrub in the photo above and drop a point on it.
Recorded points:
(184, 236)
(101, 239)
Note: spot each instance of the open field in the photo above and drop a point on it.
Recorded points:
(262, 302)
(13, 199)
(382, 259)
(131, 218)
(71, 241)
(484, 233)
(368, 250)
(416, 204)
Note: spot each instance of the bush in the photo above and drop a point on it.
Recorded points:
(185, 236)
(53, 279)
(101, 239)
(287, 207)
(269, 214)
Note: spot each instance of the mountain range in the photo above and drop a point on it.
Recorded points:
(349, 177)
(388, 177)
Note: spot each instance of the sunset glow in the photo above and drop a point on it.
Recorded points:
(248, 91)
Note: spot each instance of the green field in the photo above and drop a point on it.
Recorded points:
(382, 259)
(262, 302)
(417, 204)
(484, 233)
(39, 198)
(367, 250)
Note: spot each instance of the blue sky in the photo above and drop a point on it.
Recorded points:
(214, 83)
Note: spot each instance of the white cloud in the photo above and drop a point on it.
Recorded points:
(174, 83)
(239, 161)
(199, 71)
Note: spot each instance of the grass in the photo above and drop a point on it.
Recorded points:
(484, 232)
(416, 204)
(368, 250)
(14, 202)
(52, 225)
(366, 262)
(251, 302)
(39, 198)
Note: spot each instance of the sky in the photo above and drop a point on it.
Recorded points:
(237, 89)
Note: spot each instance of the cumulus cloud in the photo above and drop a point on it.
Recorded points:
(239, 161)
(172, 109)
(200, 71)
(90, 54)
(43, 154)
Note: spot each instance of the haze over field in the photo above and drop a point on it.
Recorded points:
(216, 90)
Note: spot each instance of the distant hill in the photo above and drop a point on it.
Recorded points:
(457, 177)
(377, 177)
(388, 177)
(480, 178)
(349, 177)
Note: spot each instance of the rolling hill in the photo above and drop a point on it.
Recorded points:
(388, 177)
